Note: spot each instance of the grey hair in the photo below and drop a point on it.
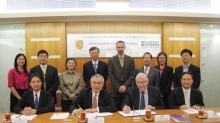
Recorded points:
(97, 75)
(141, 75)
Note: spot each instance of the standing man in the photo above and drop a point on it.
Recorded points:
(187, 67)
(94, 66)
(48, 74)
(121, 70)
(152, 73)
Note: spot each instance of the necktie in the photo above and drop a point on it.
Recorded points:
(94, 102)
(36, 102)
(142, 104)
(145, 71)
(95, 69)
(44, 71)
(187, 99)
(121, 61)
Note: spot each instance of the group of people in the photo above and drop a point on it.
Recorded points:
(147, 87)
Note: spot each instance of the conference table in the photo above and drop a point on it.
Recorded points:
(117, 118)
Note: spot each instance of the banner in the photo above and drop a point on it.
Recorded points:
(136, 45)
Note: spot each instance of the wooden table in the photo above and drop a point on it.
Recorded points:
(117, 118)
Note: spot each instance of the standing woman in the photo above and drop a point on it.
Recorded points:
(166, 76)
(70, 84)
(18, 79)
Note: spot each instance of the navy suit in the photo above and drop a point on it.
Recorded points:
(88, 72)
(84, 100)
(153, 75)
(132, 97)
(45, 102)
(51, 78)
(166, 79)
(193, 69)
(177, 98)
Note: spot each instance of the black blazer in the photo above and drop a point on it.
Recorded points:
(27, 100)
(52, 80)
(84, 100)
(115, 71)
(193, 69)
(177, 98)
(166, 79)
(132, 97)
(88, 72)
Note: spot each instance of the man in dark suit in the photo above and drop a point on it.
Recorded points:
(187, 67)
(35, 101)
(94, 66)
(142, 96)
(121, 72)
(48, 74)
(94, 99)
(185, 97)
(152, 73)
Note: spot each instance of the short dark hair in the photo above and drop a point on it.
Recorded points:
(42, 52)
(149, 54)
(25, 63)
(34, 75)
(187, 73)
(120, 42)
(162, 53)
(186, 51)
(68, 60)
(93, 48)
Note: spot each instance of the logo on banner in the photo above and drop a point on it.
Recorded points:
(150, 43)
(79, 44)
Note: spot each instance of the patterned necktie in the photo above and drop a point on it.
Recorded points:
(187, 99)
(145, 71)
(121, 61)
(36, 102)
(94, 102)
(44, 71)
(95, 68)
(142, 104)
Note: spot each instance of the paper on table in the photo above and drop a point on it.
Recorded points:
(60, 116)
(96, 114)
(191, 111)
(136, 113)
(29, 117)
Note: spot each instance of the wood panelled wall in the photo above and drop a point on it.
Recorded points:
(59, 30)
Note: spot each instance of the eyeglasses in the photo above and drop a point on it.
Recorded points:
(186, 79)
(96, 83)
(139, 83)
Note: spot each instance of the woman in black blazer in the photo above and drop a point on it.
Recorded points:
(166, 76)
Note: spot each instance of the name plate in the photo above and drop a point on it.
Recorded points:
(162, 117)
(19, 120)
(212, 114)
(96, 120)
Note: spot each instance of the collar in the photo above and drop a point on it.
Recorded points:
(147, 68)
(185, 89)
(185, 67)
(93, 94)
(123, 56)
(67, 72)
(38, 93)
(41, 66)
(144, 90)
(95, 62)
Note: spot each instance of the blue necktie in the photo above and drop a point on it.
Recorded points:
(36, 102)
(94, 65)
(142, 105)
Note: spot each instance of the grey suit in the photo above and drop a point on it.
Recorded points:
(153, 75)
(115, 71)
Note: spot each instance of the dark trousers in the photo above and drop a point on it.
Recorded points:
(118, 102)
(14, 100)
(65, 104)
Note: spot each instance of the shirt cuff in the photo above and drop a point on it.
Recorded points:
(98, 109)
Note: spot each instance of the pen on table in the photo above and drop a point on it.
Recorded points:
(18, 115)
(79, 106)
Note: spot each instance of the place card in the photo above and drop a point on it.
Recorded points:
(96, 120)
(162, 117)
(19, 120)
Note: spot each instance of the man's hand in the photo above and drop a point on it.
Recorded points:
(126, 109)
(149, 107)
(91, 110)
(78, 111)
(71, 96)
(122, 89)
(183, 107)
(29, 111)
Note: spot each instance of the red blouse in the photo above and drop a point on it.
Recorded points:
(161, 70)
(19, 81)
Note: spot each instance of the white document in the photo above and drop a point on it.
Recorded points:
(29, 117)
(96, 114)
(96, 120)
(135, 113)
(191, 111)
(60, 116)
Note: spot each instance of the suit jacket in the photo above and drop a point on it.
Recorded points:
(45, 102)
(115, 72)
(166, 79)
(88, 71)
(52, 80)
(132, 97)
(177, 97)
(193, 69)
(153, 76)
(84, 100)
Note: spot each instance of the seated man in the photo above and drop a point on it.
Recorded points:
(35, 101)
(185, 97)
(94, 99)
(142, 96)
